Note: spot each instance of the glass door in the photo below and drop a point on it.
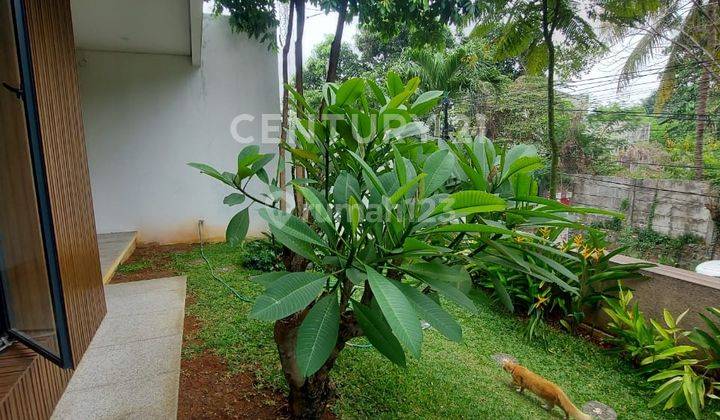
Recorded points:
(31, 304)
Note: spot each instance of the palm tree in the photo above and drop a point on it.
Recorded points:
(440, 70)
(688, 35)
(527, 29)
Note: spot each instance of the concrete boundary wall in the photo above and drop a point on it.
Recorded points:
(679, 206)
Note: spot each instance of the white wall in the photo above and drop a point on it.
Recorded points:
(147, 115)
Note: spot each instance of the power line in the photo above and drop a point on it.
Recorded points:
(601, 86)
(649, 71)
(594, 89)
(666, 115)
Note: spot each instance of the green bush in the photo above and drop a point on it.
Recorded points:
(580, 276)
(614, 224)
(516, 253)
(648, 244)
(664, 353)
(261, 255)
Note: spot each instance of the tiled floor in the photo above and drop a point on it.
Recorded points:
(132, 368)
(114, 249)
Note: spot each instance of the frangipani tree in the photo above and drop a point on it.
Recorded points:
(366, 264)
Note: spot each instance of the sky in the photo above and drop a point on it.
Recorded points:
(599, 81)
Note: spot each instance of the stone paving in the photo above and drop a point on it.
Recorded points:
(132, 368)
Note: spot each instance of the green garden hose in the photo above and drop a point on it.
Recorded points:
(210, 268)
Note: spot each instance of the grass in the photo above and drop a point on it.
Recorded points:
(452, 380)
(132, 267)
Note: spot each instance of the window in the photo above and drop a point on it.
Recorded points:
(31, 300)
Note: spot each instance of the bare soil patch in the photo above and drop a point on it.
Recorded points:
(209, 391)
(154, 262)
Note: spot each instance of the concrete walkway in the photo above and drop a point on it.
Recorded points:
(132, 368)
(114, 248)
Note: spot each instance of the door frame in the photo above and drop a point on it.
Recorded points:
(28, 96)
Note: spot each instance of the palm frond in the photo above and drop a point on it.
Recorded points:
(668, 23)
(668, 80)
(536, 60)
(437, 70)
(517, 36)
(644, 51)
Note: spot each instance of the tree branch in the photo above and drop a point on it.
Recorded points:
(255, 199)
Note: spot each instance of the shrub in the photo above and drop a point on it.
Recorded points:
(516, 253)
(562, 281)
(261, 255)
(663, 353)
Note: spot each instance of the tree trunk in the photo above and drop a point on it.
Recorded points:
(445, 109)
(703, 86)
(337, 43)
(547, 36)
(308, 397)
(331, 76)
(551, 121)
(300, 11)
(285, 106)
(299, 170)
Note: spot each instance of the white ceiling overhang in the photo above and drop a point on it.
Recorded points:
(139, 26)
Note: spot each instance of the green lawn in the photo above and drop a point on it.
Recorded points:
(450, 380)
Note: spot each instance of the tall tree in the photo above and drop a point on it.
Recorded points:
(299, 171)
(549, 24)
(687, 36)
(285, 104)
(334, 58)
(527, 29)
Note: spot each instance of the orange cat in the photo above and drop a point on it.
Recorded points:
(548, 391)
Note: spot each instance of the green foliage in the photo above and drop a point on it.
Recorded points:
(383, 54)
(554, 280)
(514, 251)
(438, 70)
(422, 22)
(614, 224)
(315, 69)
(662, 355)
(261, 255)
(649, 244)
(131, 267)
(318, 334)
(515, 111)
(517, 32)
(256, 18)
(375, 196)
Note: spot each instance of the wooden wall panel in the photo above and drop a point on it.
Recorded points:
(53, 54)
(35, 390)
